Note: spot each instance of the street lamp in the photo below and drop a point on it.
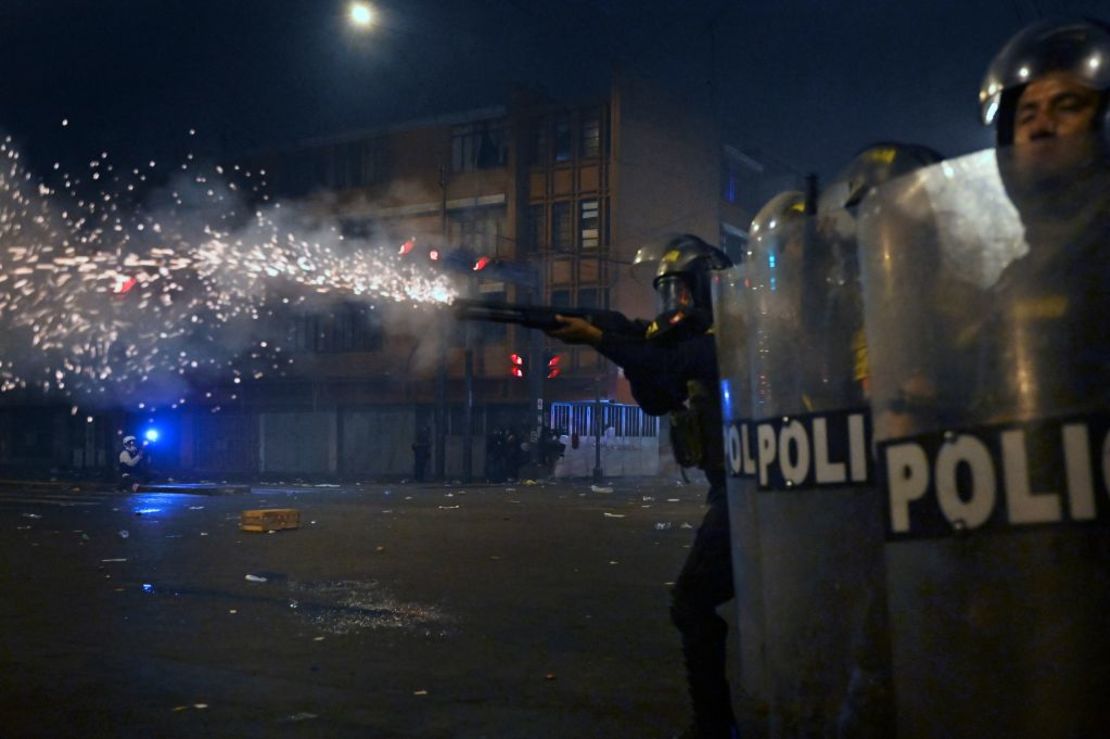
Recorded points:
(361, 15)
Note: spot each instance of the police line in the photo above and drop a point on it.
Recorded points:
(991, 477)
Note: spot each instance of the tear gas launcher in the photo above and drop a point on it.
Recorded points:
(541, 316)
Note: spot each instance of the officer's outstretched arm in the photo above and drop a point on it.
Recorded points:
(576, 331)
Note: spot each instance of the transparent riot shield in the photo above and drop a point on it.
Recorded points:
(806, 518)
(987, 295)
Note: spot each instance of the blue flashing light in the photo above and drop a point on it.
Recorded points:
(151, 435)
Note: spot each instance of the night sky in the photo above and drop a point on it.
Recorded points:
(804, 84)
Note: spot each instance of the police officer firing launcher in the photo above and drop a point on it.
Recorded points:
(671, 365)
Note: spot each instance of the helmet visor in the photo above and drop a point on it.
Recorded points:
(1080, 48)
(674, 293)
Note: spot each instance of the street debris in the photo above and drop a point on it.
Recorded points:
(124, 533)
(115, 559)
(449, 507)
(302, 716)
(347, 606)
(686, 526)
(663, 526)
(614, 515)
(600, 489)
(196, 508)
(549, 676)
(254, 578)
(269, 519)
(31, 515)
(420, 692)
(673, 500)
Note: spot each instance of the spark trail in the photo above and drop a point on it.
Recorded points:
(102, 296)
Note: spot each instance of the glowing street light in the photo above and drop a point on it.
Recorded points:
(360, 14)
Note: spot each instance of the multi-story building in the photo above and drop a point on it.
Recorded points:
(558, 198)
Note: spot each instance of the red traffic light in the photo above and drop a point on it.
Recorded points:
(407, 247)
(481, 263)
(553, 369)
(517, 365)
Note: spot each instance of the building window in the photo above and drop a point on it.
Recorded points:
(537, 148)
(589, 222)
(590, 145)
(488, 331)
(560, 299)
(562, 228)
(537, 228)
(483, 145)
(348, 328)
(606, 239)
(562, 138)
(587, 298)
(730, 180)
(478, 229)
(734, 245)
(356, 228)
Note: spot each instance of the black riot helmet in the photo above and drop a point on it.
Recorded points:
(682, 275)
(1081, 47)
(873, 166)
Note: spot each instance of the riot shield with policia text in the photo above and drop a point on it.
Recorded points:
(806, 518)
(987, 295)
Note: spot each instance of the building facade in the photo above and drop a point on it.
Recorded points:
(552, 201)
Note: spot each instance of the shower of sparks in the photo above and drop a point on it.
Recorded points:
(98, 294)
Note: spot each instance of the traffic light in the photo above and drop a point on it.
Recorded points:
(518, 365)
(553, 368)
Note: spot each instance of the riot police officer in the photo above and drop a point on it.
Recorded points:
(1047, 93)
(672, 369)
(1050, 79)
(1021, 230)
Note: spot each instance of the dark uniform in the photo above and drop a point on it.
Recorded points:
(671, 365)
(680, 377)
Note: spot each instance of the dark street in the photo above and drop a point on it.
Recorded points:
(394, 611)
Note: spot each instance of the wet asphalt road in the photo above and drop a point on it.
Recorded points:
(395, 611)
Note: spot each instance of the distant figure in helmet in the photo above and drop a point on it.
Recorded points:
(421, 453)
(671, 365)
(134, 468)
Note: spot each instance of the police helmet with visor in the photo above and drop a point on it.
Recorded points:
(682, 274)
(1079, 48)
